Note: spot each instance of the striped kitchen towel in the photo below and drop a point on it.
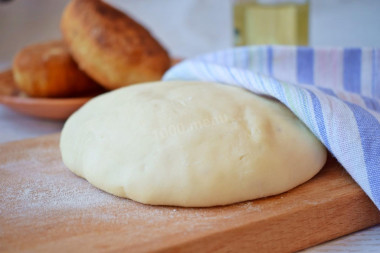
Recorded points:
(334, 91)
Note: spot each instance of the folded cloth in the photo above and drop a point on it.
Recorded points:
(334, 91)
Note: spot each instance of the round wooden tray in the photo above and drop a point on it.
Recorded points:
(48, 108)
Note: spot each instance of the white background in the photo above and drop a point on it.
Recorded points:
(190, 27)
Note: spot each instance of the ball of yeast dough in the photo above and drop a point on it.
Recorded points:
(189, 144)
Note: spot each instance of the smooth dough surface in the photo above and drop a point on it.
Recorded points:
(189, 144)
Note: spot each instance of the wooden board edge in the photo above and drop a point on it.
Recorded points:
(286, 232)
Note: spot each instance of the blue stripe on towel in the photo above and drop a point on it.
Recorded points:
(369, 128)
(371, 103)
(352, 58)
(305, 65)
(319, 119)
(270, 60)
(376, 73)
(327, 91)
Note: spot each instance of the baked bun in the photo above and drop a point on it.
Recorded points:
(110, 46)
(47, 70)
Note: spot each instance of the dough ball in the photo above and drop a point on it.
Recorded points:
(47, 70)
(189, 144)
(111, 47)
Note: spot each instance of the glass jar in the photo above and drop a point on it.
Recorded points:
(283, 22)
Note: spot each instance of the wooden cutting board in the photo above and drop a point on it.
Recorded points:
(46, 208)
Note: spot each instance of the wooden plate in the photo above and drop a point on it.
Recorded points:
(48, 108)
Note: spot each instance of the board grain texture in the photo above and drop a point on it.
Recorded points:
(46, 208)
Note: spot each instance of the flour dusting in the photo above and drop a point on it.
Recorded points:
(38, 194)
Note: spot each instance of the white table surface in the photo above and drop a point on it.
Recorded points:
(15, 126)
